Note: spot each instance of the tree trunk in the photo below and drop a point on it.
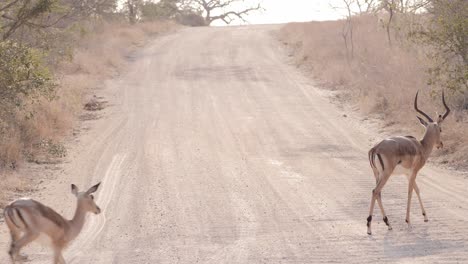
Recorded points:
(131, 12)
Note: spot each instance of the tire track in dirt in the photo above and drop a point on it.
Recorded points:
(221, 151)
(96, 224)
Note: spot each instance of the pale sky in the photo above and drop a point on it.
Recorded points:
(283, 11)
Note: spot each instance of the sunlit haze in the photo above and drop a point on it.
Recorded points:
(283, 11)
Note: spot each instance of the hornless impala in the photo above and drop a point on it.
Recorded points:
(28, 219)
(404, 155)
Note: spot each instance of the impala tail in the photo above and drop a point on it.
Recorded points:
(14, 217)
(372, 154)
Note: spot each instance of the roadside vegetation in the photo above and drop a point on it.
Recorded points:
(383, 52)
(55, 53)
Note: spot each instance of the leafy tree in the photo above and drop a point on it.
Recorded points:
(23, 77)
(132, 9)
(17, 14)
(90, 8)
(190, 18)
(447, 34)
(164, 9)
(23, 81)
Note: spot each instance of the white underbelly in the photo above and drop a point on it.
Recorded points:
(44, 240)
(400, 170)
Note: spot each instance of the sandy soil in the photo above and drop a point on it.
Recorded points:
(215, 150)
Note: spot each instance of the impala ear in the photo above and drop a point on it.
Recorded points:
(424, 123)
(440, 119)
(93, 189)
(74, 189)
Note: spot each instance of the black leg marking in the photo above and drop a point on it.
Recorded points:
(18, 212)
(12, 248)
(424, 214)
(406, 220)
(381, 161)
(385, 219)
(369, 219)
(9, 212)
(371, 157)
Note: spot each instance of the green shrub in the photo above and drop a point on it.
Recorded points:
(23, 76)
(446, 32)
(24, 79)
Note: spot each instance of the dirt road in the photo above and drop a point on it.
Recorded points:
(215, 150)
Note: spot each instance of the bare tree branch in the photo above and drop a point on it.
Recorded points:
(226, 17)
(218, 6)
(8, 5)
(40, 14)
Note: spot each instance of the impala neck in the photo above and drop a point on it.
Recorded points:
(428, 143)
(77, 223)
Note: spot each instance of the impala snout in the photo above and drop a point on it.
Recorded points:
(97, 210)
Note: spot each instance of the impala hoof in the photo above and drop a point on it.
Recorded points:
(369, 233)
(390, 228)
(22, 257)
(425, 217)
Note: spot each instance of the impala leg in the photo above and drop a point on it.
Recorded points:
(14, 237)
(375, 195)
(410, 193)
(62, 260)
(379, 200)
(15, 233)
(385, 218)
(20, 243)
(416, 189)
(371, 210)
(58, 258)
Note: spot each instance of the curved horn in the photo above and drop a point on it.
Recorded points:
(447, 109)
(419, 111)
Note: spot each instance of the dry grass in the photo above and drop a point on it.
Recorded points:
(380, 80)
(97, 55)
(11, 184)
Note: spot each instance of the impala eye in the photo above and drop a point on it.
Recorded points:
(92, 197)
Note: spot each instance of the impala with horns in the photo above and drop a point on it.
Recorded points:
(404, 155)
(28, 219)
